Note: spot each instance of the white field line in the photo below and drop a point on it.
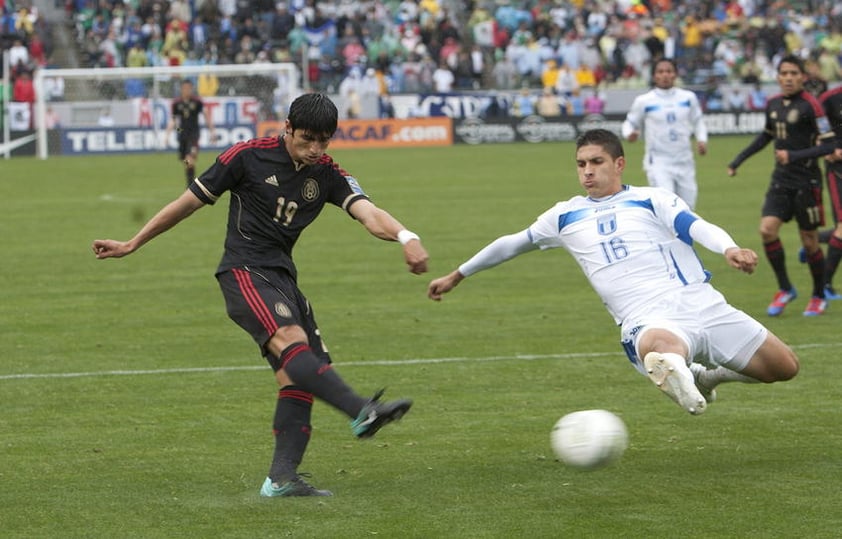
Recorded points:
(380, 362)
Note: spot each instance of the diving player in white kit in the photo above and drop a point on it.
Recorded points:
(634, 244)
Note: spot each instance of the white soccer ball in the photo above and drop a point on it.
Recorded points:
(589, 439)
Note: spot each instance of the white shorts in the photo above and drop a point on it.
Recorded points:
(716, 333)
(676, 178)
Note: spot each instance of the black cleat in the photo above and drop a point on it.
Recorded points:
(375, 415)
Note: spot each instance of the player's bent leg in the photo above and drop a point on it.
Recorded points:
(302, 367)
(299, 365)
(774, 361)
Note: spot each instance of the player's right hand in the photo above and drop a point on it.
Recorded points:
(110, 248)
(732, 171)
(438, 287)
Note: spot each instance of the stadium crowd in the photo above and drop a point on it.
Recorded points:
(563, 46)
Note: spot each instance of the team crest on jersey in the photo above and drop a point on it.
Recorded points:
(606, 224)
(310, 190)
(792, 116)
(282, 310)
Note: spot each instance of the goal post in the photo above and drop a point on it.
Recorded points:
(119, 110)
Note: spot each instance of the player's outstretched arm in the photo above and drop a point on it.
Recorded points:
(381, 224)
(498, 251)
(168, 217)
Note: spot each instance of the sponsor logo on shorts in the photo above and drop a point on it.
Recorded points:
(282, 310)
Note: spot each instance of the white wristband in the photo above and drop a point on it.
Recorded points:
(405, 236)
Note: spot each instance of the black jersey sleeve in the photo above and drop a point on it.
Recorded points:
(345, 189)
(225, 173)
(759, 142)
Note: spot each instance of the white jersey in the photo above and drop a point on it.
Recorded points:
(633, 246)
(668, 119)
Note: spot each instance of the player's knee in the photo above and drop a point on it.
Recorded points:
(788, 368)
(784, 367)
(285, 336)
(767, 235)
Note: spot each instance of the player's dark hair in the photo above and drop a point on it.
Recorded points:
(609, 141)
(660, 61)
(315, 113)
(794, 60)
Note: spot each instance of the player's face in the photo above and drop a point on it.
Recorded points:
(790, 79)
(304, 146)
(186, 91)
(664, 75)
(599, 174)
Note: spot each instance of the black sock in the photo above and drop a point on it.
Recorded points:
(292, 432)
(825, 235)
(834, 254)
(775, 254)
(816, 263)
(317, 377)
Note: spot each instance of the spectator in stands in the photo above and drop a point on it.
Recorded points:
(549, 76)
(566, 83)
(23, 90)
(443, 78)
(594, 102)
(504, 73)
(523, 104)
(18, 53)
(585, 76)
(548, 104)
(757, 98)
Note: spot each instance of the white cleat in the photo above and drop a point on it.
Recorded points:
(672, 376)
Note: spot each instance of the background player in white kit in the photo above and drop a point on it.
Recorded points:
(634, 246)
(669, 117)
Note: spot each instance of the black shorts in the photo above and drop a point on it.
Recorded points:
(805, 204)
(834, 189)
(261, 300)
(188, 145)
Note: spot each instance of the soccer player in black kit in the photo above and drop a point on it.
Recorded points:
(278, 186)
(831, 100)
(797, 124)
(185, 118)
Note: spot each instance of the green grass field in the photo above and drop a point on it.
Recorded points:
(130, 406)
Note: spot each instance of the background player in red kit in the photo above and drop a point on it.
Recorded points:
(278, 186)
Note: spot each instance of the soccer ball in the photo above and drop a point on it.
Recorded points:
(589, 439)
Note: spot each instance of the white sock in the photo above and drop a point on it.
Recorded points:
(713, 377)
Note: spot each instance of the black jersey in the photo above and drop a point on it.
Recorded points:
(796, 123)
(186, 113)
(272, 200)
(832, 103)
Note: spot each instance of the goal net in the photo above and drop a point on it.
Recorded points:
(126, 110)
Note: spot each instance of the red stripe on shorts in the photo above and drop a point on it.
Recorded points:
(260, 310)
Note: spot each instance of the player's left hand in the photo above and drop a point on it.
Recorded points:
(416, 257)
(702, 148)
(782, 156)
(744, 260)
